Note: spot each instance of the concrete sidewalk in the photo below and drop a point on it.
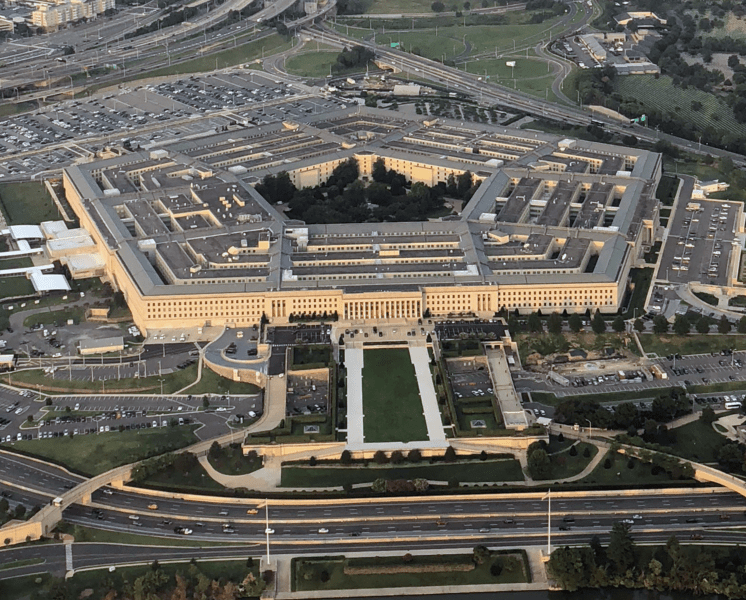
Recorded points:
(421, 361)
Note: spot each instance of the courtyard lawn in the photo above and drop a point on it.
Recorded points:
(27, 203)
(95, 454)
(619, 474)
(391, 398)
(697, 441)
(488, 471)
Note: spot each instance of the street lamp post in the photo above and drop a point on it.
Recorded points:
(590, 429)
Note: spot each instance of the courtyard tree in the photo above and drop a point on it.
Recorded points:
(554, 323)
(660, 325)
(575, 322)
(598, 324)
(618, 324)
(703, 325)
(639, 325)
(681, 325)
(534, 323)
(724, 325)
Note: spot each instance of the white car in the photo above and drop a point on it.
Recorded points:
(323, 530)
(269, 531)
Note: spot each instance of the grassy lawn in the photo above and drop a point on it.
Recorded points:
(660, 93)
(664, 345)
(196, 481)
(552, 400)
(564, 465)
(18, 262)
(232, 461)
(10, 287)
(172, 382)
(21, 588)
(619, 473)
(311, 357)
(390, 388)
(306, 573)
(737, 301)
(227, 58)
(27, 203)
(640, 283)
(76, 313)
(705, 297)
(311, 64)
(212, 383)
(465, 472)
(697, 441)
(95, 454)
(21, 563)
(390, 7)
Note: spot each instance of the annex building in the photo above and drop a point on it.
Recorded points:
(555, 225)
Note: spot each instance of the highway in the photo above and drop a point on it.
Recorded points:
(86, 555)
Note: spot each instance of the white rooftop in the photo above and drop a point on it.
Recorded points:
(25, 232)
(48, 282)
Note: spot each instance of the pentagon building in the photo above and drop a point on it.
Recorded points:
(555, 224)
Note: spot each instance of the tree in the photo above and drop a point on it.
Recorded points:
(703, 325)
(414, 456)
(380, 457)
(379, 172)
(742, 325)
(346, 457)
(539, 464)
(598, 324)
(467, 5)
(480, 555)
(724, 325)
(206, 402)
(397, 457)
(708, 415)
(215, 451)
(437, 6)
(618, 324)
(733, 61)
(660, 324)
(639, 325)
(534, 323)
(681, 325)
(554, 323)
(621, 549)
(575, 322)
(450, 454)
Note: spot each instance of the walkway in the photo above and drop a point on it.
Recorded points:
(421, 361)
(354, 364)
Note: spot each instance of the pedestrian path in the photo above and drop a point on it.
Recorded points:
(354, 364)
(421, 361)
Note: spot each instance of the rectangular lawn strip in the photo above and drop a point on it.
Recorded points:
(664, 345)
(95, 454)
(391, 398)
(27, 203)
(212, 383)
(10, 287)
(307, 573)
(21, 588)
(466, 472)
(76, 313)
(195, 481)
(26, 562)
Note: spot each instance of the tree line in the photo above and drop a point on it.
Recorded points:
(669, 567)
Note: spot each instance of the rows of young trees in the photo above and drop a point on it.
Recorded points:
(344, 198)
(670, 567)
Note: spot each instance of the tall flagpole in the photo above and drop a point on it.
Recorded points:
(266, 527)
(549, 524)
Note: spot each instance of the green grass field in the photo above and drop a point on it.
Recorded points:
(488, 471)
(663, 95)
(311, 64)
(390, 7)
(10, 287)
(103, 536)
(391, 398)
(514, 570)
(227, 58)
(620, 474)
(77, 313)
(27, 203)
(195, 481)
(233, 462)
(94, 454)
(697, 441)
(663, 345)
(564, 465)
(212, 383)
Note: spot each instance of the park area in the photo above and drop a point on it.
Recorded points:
(341, 573)
(391, 398)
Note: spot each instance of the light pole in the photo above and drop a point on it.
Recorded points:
(549, 522)
(590, 429)
(266, 527)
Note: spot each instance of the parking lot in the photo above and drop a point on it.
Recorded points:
(85, 415)
(469, 377)
(144, 116)
(307, 394)
(454, 330)
(699, 244)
